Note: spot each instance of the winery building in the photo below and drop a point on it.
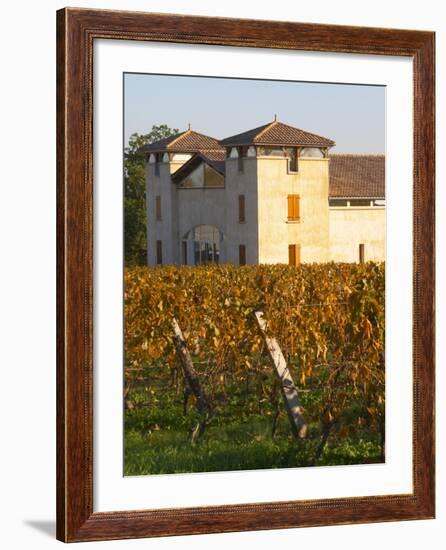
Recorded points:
(273, 194)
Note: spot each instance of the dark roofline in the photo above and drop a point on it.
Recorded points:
(348, 197)
(192, 163)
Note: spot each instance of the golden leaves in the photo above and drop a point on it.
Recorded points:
(327, 318)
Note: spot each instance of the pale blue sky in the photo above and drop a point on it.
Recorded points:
(353, 116)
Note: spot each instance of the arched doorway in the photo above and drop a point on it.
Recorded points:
(201, 245)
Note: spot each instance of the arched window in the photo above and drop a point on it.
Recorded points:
(203, 243)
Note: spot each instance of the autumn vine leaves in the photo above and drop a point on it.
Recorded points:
(327, 318)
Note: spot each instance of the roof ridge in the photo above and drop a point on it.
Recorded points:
(265, 128)
(180, 135)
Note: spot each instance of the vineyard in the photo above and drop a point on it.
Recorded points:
(229, 413)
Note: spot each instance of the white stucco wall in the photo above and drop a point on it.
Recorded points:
(324, 233)
(350, 227)
(246, 233)
(166, 228)
(275, 183)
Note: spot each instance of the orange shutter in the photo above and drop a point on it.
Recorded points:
(290, 207)
(293, 207)
(294, 254)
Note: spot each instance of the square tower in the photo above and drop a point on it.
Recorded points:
(285, 172)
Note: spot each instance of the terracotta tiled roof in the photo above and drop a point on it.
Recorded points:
(357, 176)
(277, 133)
(185, 142)
(214, 154)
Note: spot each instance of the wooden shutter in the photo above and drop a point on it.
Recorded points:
(241, 208)
(242, 254)
(158, 208)
(294, 254)
(293, 207)
(159, 252)
(297, 255)
(361, 253)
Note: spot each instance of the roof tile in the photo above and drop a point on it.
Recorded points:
(277, 133)
(185, 142)
(361, 176)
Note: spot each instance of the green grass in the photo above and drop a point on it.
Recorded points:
(157, 441)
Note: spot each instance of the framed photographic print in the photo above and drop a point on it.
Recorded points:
(245, 275)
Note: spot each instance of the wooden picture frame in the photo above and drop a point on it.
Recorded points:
(76, 31)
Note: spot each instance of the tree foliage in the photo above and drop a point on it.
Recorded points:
(135, 231)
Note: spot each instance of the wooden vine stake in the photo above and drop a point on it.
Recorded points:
(289, 390)
(192, 380)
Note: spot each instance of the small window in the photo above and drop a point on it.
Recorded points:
(361, 202)
(293, 208)
(312, 152)
(339, 203)
(158, 208)
(241, 209)
(242, 254)
(159, 252)
(294, 254)
(291, 154)
(272, 151)
(184, 245)
(361, 253)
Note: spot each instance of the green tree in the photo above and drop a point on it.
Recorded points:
(135, 232)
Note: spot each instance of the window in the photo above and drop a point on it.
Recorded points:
(157, 164)
(312, 152)
(361, 202)
(291, 155)
(242, 254)
(241, 209)
(158, 208)
(184, 245)
(203, 176)
(292, 163)
(361, 253)
(294, 254)
(271, 151)
(159, 252)
(204, 243)
(293, 208)
(339, 203)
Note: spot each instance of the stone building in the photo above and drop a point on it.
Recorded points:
(272, 194)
